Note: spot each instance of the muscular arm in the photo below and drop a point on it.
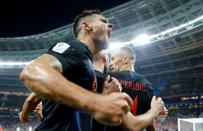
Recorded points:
(43, 76)
(28, 107)
(138, 123)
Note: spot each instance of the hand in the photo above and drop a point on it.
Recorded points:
(157, 105)
(163, 113)
(23, 118)
(38, 111)
(111, 84)
(110, 109)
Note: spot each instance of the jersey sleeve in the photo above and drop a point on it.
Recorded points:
(66, 55)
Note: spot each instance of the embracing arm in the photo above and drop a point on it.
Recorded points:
(43, 76)
(138, 123)
(28, 107)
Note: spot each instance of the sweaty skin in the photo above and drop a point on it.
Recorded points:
(43, 77)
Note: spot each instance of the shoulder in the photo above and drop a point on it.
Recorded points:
(62, 47)
(68, 50)
(120, 75)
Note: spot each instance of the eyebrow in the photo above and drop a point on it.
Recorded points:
(104, 19)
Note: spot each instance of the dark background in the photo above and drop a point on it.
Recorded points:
(22, 18)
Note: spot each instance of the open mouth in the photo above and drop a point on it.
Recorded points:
(109, 32)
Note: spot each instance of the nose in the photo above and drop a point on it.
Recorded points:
(110, 25)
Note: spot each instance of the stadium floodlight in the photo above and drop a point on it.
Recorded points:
(144, 39)
(11, 64)
(116, 45)
(174, 29)
(18, 129)
(141, 39)
(30, 128)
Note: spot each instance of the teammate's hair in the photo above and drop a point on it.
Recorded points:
(79, 18)
(129, 52)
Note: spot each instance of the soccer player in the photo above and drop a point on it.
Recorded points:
(137, 86)
(63, 76)
(130, 122)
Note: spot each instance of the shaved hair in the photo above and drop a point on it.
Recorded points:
(79, 18)
(127, 51)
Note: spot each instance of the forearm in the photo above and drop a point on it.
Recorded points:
(48, 83)
(152, 126)
(138, 123)
(29, 105)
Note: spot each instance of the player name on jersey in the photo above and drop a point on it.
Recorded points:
(132, 85)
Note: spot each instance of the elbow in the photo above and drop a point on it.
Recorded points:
(24, 75)
(27, 76)
(29, 73)
(33, 78)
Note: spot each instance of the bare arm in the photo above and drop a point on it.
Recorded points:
(152, 126)
(28, 107)
(138, 123)
(43, 76)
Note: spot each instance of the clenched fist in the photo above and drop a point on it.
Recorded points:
(110, 109)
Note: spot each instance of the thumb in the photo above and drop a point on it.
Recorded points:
(107, 79)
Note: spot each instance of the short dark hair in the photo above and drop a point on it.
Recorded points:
(78, 19)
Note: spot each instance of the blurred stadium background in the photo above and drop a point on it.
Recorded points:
(170, 56)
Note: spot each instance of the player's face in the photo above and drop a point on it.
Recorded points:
(116, 62)
(101, 30)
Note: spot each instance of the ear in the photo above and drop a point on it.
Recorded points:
(125, 60)
(86, 27)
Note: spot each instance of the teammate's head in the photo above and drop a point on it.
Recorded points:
(101, 62)
(123, 59)
(93, 24)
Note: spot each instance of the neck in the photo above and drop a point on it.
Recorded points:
(99, 67)
(90, 43)
(128, 68)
